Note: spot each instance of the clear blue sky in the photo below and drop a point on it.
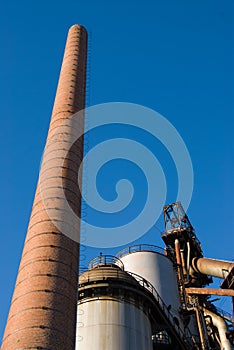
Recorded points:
(172, 56)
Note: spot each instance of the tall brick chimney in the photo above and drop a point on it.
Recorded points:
(43, 308)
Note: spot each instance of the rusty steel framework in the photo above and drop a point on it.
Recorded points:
(180, 314)
(44, 303)
(194, 273)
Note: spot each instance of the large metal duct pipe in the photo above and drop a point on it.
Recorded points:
(212, 267)
(43, 308)
(221, 325)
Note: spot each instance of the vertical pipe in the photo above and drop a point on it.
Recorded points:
(188, 260)
(178, 259)
(233, 307)
(183, 262)
(177, 250)
(43, 308)
(201, 329)
(180, 272)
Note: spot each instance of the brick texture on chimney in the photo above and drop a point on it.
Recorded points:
(43, 308)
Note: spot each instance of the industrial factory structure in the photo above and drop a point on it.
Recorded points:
(147, 298)
(143, 298)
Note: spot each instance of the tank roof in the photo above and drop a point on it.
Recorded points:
(105, 272)
(140, 248)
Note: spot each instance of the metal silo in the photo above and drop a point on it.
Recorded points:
(151, 263)
(113, 309)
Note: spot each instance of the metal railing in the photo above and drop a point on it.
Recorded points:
(105, 260)
(161, 338)
(140, 248)
(187, 338)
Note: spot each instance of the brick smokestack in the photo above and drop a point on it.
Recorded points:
(43, 308)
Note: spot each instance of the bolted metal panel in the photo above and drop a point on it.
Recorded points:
(43, 308)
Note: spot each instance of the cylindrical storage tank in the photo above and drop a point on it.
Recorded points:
(113, 313)
(110, 324)
(150, 263)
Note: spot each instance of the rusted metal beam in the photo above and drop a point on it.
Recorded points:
(211, 291)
